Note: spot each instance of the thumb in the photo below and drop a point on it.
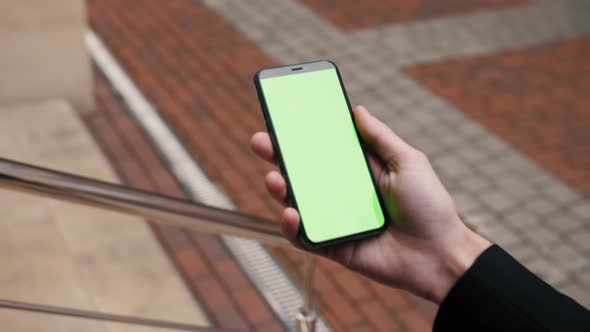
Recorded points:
(384, 142)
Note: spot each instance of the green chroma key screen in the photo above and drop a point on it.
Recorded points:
(322, 155)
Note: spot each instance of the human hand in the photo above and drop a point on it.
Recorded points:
(426, 248)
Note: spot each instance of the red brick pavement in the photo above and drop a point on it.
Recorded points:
(537, 99)
(215, 278)
(197, 69)
(351, 15)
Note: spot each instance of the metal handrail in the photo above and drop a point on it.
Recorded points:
(62, 311)
(155, 207)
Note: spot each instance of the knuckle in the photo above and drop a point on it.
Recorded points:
(420, 156)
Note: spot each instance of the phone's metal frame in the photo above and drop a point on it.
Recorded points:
(297, 69)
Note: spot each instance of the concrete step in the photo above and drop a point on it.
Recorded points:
(63, 254)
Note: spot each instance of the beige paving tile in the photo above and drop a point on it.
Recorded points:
(29, 208)
(124, 267)
(43, 53)
(37, 267)
(116, 264)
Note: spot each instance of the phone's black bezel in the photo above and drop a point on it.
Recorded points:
(291, 197)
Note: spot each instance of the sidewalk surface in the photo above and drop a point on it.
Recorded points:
(494, 91)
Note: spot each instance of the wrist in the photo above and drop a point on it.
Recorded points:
(455, 260)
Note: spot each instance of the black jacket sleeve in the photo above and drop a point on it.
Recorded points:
(499, 294)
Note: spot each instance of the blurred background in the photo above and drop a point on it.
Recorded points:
(158, 95)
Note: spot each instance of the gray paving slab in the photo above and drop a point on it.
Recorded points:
(523, 253)
(567, 257)
(546, 270)
(581, 238)
(564, 223)
(480, 33)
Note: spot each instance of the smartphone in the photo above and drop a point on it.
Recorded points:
(319, 151)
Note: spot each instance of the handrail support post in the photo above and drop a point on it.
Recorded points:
(306, 318)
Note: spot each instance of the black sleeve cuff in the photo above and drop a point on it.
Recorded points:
(499, 294)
